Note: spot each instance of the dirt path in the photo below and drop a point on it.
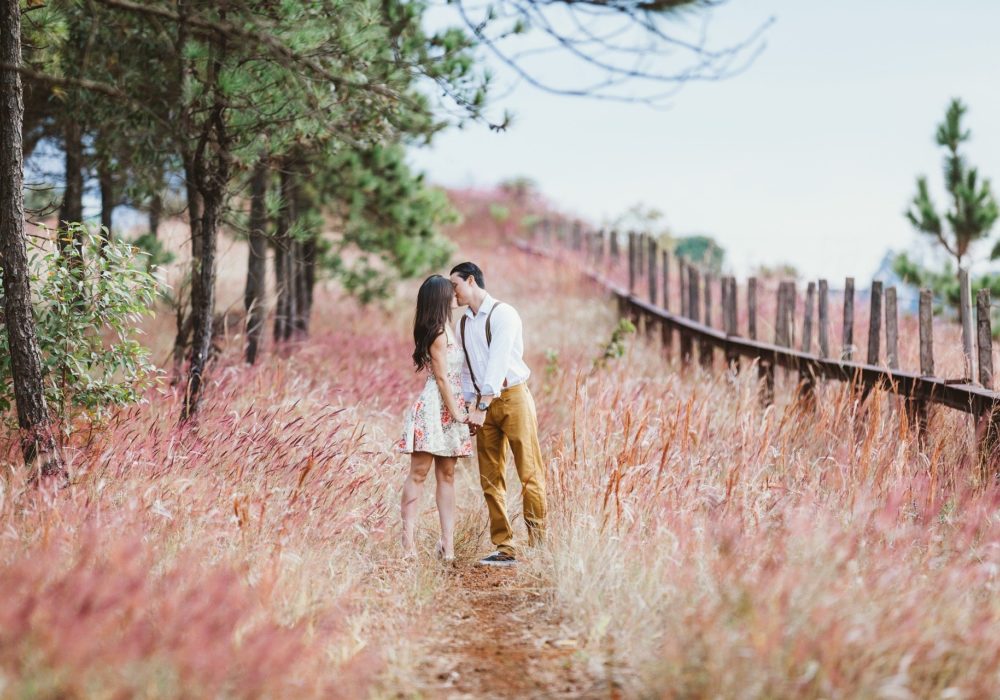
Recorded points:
(500, 639)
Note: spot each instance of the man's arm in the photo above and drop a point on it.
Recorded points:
(505, 326)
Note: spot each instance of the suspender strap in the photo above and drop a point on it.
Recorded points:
(489, 340)
(472, 375)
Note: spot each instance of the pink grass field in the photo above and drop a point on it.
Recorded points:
(699, 545)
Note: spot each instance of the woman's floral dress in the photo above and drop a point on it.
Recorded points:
(429, 425)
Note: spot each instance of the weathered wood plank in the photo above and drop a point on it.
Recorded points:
(807, 317)
(823, 314)
(875, 322)
(848, 332)
(891, 328)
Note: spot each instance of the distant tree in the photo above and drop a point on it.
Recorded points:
(519, 189)
(701, 249)
(782, 270)
(973, 209)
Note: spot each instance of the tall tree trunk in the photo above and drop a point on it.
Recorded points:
(203, 307)
(107, 183)
(301, 291)
(38, 444)
(280, 297)
(282, 260)
(310, 262)
(301, 327)
(155, 214)
(212, 165)
(290, 188)
(72, 204)
(253, 298)
(299, 286)
(184, 319)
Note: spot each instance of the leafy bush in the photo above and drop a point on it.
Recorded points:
(85, 318)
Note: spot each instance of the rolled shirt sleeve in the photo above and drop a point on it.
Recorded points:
(505, 327)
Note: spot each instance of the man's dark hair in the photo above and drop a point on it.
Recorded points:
(468, 269)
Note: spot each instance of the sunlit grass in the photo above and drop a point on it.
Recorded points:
(699, 545)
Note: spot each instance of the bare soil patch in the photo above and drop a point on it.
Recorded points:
(499, 637)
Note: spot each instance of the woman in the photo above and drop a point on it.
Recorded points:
(436, 430)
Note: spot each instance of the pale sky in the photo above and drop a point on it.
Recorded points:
(809, 157)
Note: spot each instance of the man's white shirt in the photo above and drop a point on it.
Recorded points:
(502, 359)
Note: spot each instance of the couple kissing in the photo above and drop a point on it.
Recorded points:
(476, 386)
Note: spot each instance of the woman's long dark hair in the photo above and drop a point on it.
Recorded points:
(433, 315)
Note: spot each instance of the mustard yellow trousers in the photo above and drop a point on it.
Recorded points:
(511, 424)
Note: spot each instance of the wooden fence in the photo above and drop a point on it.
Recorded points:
(699, 339)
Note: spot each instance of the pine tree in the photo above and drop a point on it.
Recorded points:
(973, 208)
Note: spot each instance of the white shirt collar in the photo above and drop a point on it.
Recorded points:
(484, 308)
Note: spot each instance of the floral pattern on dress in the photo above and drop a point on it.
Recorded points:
(429, 425)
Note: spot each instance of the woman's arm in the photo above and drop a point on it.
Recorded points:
(439, 365)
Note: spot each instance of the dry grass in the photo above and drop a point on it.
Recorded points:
(706, 547)
(699, 545)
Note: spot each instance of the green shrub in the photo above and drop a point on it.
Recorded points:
(85, 319)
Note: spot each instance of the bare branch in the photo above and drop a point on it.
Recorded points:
(580, 29)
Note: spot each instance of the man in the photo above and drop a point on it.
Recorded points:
(494, 383)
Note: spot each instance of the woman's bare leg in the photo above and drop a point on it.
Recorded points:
(420, 466)
(444, 476)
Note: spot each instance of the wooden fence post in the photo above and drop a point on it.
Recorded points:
(807, 318)
(765, 365)
(640, 255)
(848, 335)
(613, 245)
(918, 407)
(988, 428)
(724, 301)
(652, 283)
(652, 271)
(690, 283)
(666, 330)
(807, 380)
(926, 333)
(791, 300)
(731, 316)
(694, 306)
(965, 315)
(984, 339)
(781, 316)
(891, 328)
(682, 287)
(823, 313)
(875, 323)
(631, 262)
(708, 299)
(706, 351)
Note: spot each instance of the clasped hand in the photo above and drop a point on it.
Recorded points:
(475, 418)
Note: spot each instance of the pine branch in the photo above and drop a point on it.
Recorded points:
(276, 46)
